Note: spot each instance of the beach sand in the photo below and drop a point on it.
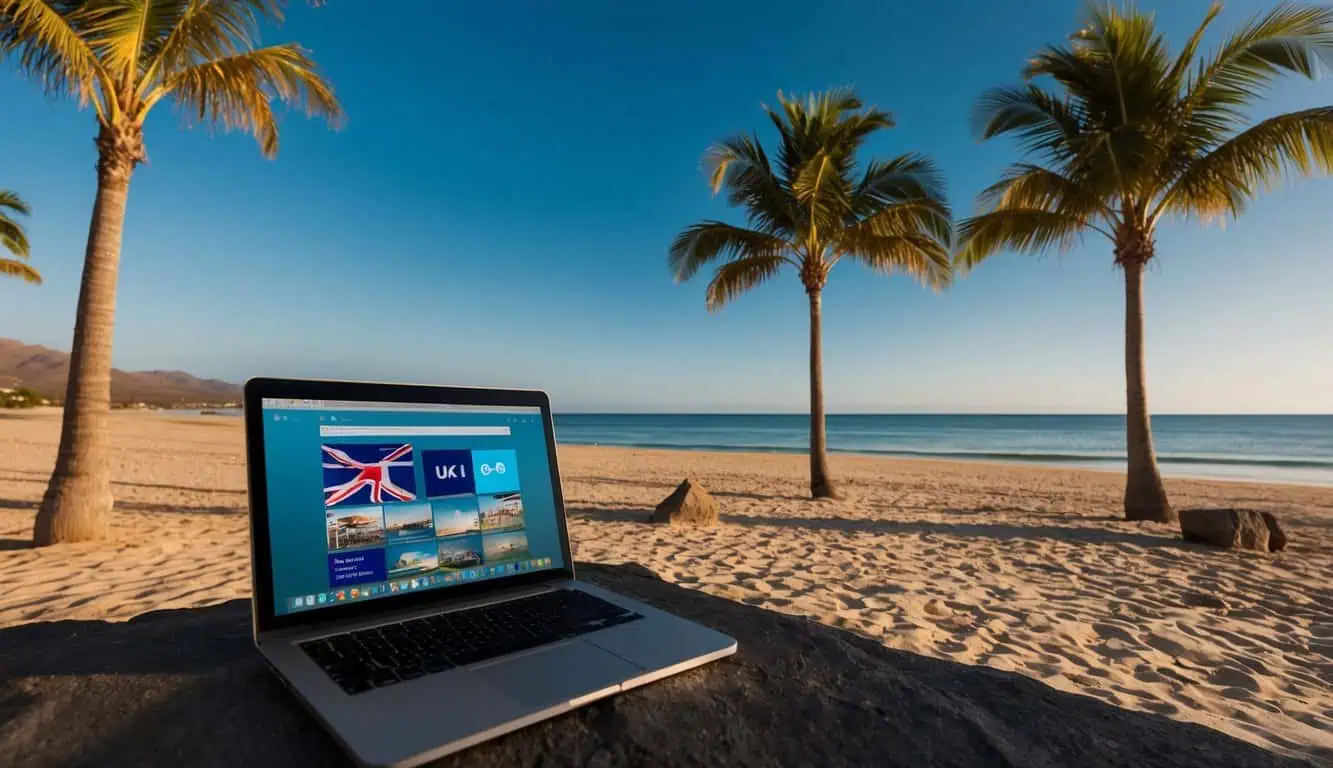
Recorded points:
(1018, 568)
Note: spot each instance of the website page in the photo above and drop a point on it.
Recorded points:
(368, 500)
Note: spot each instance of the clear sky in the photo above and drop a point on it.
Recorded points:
(498, 208)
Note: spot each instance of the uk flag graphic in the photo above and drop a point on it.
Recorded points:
(368, 474)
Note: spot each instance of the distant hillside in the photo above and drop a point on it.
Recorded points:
(45, 371)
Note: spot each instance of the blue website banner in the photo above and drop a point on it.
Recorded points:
(449, 473)
(364, 503)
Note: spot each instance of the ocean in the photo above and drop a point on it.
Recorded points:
(1274, 449)
(1280, 449)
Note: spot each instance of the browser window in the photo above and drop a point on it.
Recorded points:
(373, 499)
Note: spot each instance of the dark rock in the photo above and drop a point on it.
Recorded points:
(689, 504)
(1227, 528)
(1277, 538)
(186, 688)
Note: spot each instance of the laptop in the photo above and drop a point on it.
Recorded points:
(413, 584)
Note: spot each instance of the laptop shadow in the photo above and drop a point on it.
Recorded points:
(185, 687)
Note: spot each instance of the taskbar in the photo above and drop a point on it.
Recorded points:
(414, 583)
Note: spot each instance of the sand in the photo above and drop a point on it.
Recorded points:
(1018, 568)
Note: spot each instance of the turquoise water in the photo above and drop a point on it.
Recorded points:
(1284, 449)
(1279, 449)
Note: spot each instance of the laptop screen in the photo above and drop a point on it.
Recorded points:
(367, 500)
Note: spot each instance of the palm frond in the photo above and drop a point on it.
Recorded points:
(1017, 229)
(852, 130)
(1185, 59)
(1288, 38)
(236, 91)
(1029, 186)
(21, 270)
(12, 236)
(740, 275)
(911, 253)
(1042, 122)
(1130, 60)
(1225, 179)
(701, 244)
(901, 194)
(741, 166)
(119, 32)
(905, 177)
(821, 190)
(822, 121)
(13, 202)
(44, 37)
(204, 30)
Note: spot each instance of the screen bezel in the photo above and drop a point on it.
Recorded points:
(266, 617)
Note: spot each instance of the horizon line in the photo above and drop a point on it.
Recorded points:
(927, 413)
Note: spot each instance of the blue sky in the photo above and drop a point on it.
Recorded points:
(498, 207)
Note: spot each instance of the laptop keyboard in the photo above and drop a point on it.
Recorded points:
(386, 655)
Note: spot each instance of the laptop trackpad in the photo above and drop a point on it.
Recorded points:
(562, 673)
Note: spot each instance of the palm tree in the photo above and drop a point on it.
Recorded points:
(815, 208)
(1128, 135)
(15, 240)
(123, 59)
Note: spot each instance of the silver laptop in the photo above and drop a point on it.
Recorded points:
(413, 584)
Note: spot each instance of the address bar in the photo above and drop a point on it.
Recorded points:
(413, 431)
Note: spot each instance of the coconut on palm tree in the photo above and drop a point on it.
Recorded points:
(1121, 135)
(15, 240)
(123, 59)
(812, 209)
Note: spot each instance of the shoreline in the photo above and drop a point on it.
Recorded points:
(952, 459)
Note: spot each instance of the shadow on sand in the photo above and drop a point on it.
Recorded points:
(186, 687)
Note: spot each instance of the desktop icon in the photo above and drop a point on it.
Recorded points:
(309, 601)
(323, 598)
(342, 595)
(355, 593)
(393, 586)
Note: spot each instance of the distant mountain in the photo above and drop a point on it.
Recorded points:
(45, 371)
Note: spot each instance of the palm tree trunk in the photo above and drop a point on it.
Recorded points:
(821, 486)
(1145, 496)
(78, 498)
